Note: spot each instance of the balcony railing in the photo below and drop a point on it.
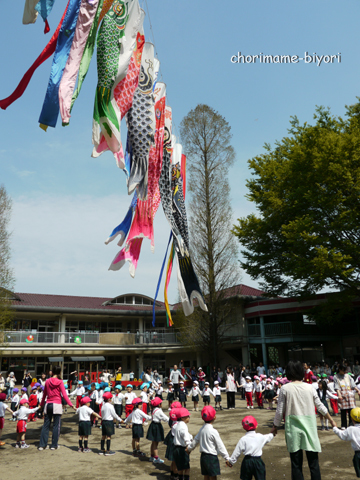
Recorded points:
(160, 336)
(297, 328)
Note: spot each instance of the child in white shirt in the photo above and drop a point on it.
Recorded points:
(249, 392)
(108, 416)
(118, 400)
(170, 395)
(251, 445)
(258, 390)
(195, 394)
(22, 415)
(217, 394)
(182, 440)
(206, 394)
(210, 444)
(85, 413)
(3, 408)
(137, 417)
(352, 434)
(15, 400)
(155, 431)
(78, 392)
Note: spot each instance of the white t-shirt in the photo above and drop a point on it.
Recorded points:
(260, 370)
(230, 380)
(210, 441)
(129, 397)
(252, 444)
(108, 412)
(84, 413)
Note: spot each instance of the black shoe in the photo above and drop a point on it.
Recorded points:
(109, 452)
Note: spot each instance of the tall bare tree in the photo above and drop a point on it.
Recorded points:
(206, 137)
(6, 273)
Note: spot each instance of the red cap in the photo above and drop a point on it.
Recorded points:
(174, 414)
(208, 413)
(156, 402)
(23, 401)
(184, 412)
(107, 395)
(249, 423)
(136, 401)
(176, 405)
(85, 400)
(2, 397)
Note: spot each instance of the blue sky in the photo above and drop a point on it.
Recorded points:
(66, 203)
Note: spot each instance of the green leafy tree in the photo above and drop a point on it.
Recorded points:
(6, 274)
(206, 139)
(306, 236)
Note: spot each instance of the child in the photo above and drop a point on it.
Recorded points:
(183, 393)
(217, 394)
(258, 389)
(251, 446)
(206, 394)
(24, 395)
(155, 432)
(22, 415)
(108, 415)
(129, 397)
(78, 392)
(195, 393)
(182, 440)
(201, 377)
(249, 392)
(33, 402)
(3, 409)
(137, 416)
(159, 390)
(210, 445)
(314, 383)
(15, 400)
(94, 402)
(85, 413)
(118, 401)
(170, 395)
(333, 402)
(144, 395)
(324, 394)
(269, 393)
(352, 434)
(169, 440)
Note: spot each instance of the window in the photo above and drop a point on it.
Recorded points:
(273, 354)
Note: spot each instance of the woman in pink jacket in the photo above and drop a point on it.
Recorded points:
(54, 392)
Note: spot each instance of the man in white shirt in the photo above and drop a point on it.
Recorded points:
(175, 377)
(260, 369)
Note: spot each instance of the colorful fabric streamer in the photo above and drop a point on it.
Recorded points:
(84, 24)
(160, 278)
(30, 14)
(183, 172)
(130, 254)
(140, 121)
(50, 109)
(44, 7)
(125, 225)
(124, 93)
(44, 55)
(142, 225)
(167, 281)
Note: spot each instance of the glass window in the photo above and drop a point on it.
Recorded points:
(103, 327)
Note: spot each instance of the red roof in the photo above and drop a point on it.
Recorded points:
(245, 291)
(67, 301)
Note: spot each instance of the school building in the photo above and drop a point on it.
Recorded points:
(92, 333)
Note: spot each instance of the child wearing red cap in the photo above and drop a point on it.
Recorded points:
(210, 445)
(108, 415)
(85, 413)
(3, 409)
(169, 439)
(258, 389)
(251, 446)
(137, 416)
(22, 415)
(33, 402)
(182, 440)
(155, 431)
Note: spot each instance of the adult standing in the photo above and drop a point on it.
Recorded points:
(253, 370)
(26, 382)
(214, 376)
(201, 378)
(345, 388)
(54, 392)
(231, 388)
(118, 375)
(260, 369)
(11, 382)
(105, 376)
(175, 377)
(42, 379)
(356, 369)
(74, 378)
(2, 383)
(296, 401)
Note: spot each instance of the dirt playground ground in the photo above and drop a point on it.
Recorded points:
(66, 463)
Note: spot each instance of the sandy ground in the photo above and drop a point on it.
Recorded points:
(66, 463)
